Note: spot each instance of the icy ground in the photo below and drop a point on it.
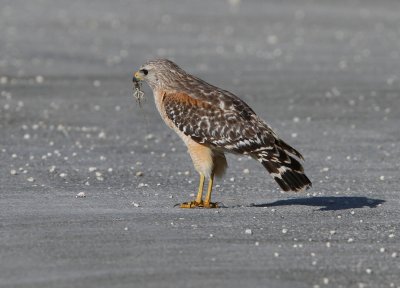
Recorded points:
(88, 179)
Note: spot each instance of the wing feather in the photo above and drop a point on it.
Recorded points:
(205, 123)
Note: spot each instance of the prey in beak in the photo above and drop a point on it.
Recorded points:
(138, 94)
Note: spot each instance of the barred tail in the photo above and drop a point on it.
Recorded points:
(285, 169)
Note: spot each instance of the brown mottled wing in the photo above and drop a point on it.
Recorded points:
(209, 124)
(230, 130)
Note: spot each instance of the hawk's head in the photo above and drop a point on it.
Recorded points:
(159, 73)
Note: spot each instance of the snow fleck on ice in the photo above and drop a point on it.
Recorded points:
(30, 179)
(272, 39)
(80, 195)
(368, 271)
(3, 80)
(382, 178)
(248, 232)
(246, 171)
(39, 79)
(276, 254)
(284, 230)
(99, 176)
(102, 135)
(149, 137)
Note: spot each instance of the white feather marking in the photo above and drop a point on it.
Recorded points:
(282, 169)
(264, 148)
(276, 175)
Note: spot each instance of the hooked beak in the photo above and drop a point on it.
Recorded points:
(137, 77)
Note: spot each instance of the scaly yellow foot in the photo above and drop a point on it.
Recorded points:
(192, 204)
(195, 204)
(211, 205)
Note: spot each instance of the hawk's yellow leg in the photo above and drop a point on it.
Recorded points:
(207, 202)
(199, 199)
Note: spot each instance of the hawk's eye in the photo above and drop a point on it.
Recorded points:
(144, 71)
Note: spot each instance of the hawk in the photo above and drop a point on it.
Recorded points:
(212, 121)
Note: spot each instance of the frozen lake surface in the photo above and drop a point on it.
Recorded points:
(325, 75)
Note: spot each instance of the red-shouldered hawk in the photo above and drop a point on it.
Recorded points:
(212, 121)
